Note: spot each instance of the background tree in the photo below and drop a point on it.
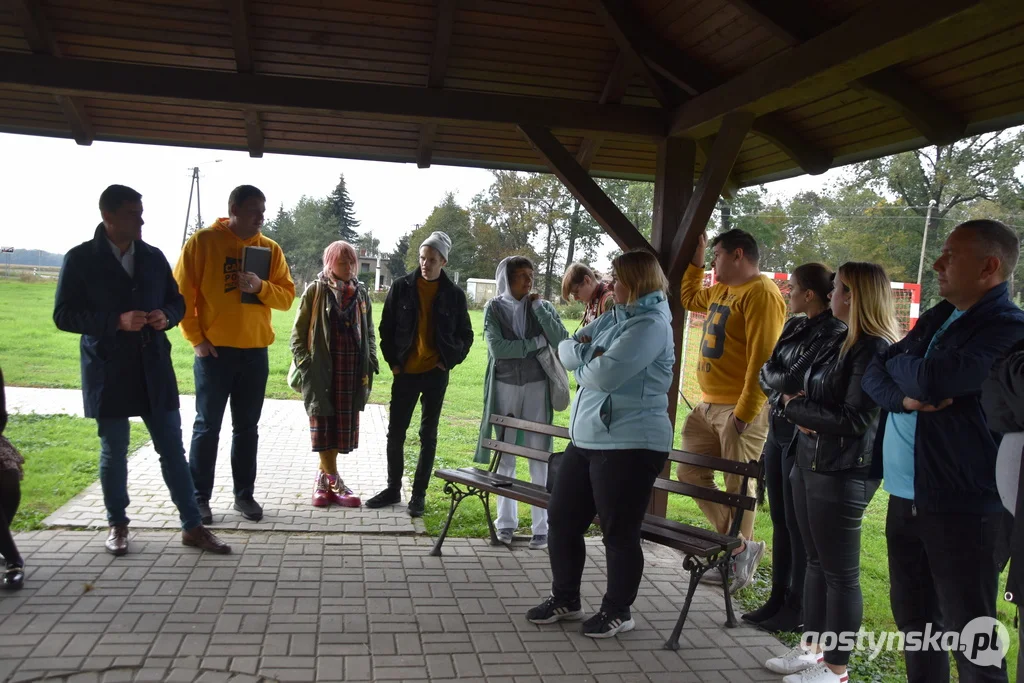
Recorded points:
(367, 244)
(396, 260)
(452, 219)
(339, 209)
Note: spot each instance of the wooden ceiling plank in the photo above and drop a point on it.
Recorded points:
(32, 17)
(614, 90)
(435, 78)
(586, 191)
(241, 39)
(275, 93)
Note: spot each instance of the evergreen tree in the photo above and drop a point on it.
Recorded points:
(396, 263)
(340, 211)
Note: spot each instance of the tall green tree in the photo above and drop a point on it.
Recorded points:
(368, 244)
(396, 260)
(339, 209)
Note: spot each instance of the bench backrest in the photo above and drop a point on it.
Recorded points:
(748, 471)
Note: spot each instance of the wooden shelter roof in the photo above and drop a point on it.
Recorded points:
(455, 81)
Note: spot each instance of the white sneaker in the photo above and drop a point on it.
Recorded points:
(819, 673)
(796, 660)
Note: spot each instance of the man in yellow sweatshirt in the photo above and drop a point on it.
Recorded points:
(745, 314)
(230, 337)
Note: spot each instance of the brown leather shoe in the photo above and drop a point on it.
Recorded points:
(117, 541)
(202, 538)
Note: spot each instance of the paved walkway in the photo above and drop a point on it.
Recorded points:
(284, 481)
(354, 607)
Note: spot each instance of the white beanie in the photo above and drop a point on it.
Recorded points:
(439, 241)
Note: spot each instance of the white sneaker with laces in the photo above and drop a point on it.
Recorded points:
(796, 660)
(819, 673)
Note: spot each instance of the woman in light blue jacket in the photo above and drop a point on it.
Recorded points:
(620, 439)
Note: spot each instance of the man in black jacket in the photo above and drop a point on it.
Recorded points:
(1003, 400)
(424, 332)
(938, 452)
(118, 293)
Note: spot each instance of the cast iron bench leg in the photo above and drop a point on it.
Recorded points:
(673, 640)
(457, 497)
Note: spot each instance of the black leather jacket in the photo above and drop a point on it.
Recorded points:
(843, 417)
(802, 338)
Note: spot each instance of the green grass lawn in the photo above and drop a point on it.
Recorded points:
(61, 458)
(34, 353)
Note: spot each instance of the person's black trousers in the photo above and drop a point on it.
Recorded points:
(429, 389)
(789, 557)
(615, 485)
(829, 509)
(10, 499)
(942, 571)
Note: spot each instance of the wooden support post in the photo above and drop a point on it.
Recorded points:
(673, 190)
(435, 78)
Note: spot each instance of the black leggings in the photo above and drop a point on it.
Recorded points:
(616, 485)
(829, 509)
(789, 558)
(10, 499)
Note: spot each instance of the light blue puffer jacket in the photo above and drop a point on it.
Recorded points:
(622, 401)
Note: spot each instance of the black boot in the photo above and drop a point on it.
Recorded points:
(765, 611)
(789, 618)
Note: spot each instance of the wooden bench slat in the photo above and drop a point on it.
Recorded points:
(481, 479)
(750, 469)
(711, 537)
(528, 426)
(513, 449)
(689, 544)
(704, 493)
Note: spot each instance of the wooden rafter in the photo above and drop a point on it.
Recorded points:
(173, 85)
(238, 12)
(870, 40)
(732, 186)
(662, 62)
(673, 189)
(41, 41)
(584, 189)
(931, 118)
(735, 127)
(435, 78)
(614, 90)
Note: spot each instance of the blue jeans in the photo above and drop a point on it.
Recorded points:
(165, 428)
(241, 376)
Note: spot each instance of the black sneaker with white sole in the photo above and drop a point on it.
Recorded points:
(555, 609)
(605, 625)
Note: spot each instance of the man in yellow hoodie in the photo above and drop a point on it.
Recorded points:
(230, 338)
(745, 314)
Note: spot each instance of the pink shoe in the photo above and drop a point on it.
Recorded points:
(341, 494)
(321, 493)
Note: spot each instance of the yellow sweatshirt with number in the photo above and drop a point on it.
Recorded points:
(207, 275)
(742, 327)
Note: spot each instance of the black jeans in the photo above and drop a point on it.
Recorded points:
(943, 572)
(616, 485)
(10, 499)
(829, 509)
(789, 557)
(428, 388)
(238, 375)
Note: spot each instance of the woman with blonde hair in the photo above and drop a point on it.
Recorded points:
(335, 351)
(583, 284)
(835, 474)
(620, 437)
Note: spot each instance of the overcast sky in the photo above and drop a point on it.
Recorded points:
(50, 188)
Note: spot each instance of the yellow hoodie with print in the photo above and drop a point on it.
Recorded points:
(207, 275)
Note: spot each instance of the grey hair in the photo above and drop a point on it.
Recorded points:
(995, 238)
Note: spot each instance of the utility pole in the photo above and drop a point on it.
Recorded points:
(924, 240)
(194, 189)
(8, 251)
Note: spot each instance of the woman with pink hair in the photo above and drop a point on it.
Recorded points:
(335, 352)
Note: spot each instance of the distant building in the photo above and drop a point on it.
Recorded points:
(480, 290)
(377, 266)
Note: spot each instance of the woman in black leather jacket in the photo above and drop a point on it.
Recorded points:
(811, 327)
(835, 478)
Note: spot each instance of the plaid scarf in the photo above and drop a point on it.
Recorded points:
(346, 298)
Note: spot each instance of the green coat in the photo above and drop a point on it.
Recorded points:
(498, 346)
(315, 365)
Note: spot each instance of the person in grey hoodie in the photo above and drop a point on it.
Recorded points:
(620, 437)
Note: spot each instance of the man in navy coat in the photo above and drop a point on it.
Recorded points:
(118, 293)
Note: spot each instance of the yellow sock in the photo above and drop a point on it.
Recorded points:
(329, 462)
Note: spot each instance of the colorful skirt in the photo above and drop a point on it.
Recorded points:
(340, 432)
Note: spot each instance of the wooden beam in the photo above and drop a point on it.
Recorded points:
(735, 127)
(435, 78)
(614, 90)
(811, 159)
(238, 11)
(36, 73)
(584, 189)
(705, 146)
(40, 39)
(254, 133)
(868, 41)
(931, 118)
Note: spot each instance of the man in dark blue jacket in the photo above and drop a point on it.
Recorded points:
(118, 293)
(938, 452)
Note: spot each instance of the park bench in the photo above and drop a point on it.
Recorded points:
(702, 550)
